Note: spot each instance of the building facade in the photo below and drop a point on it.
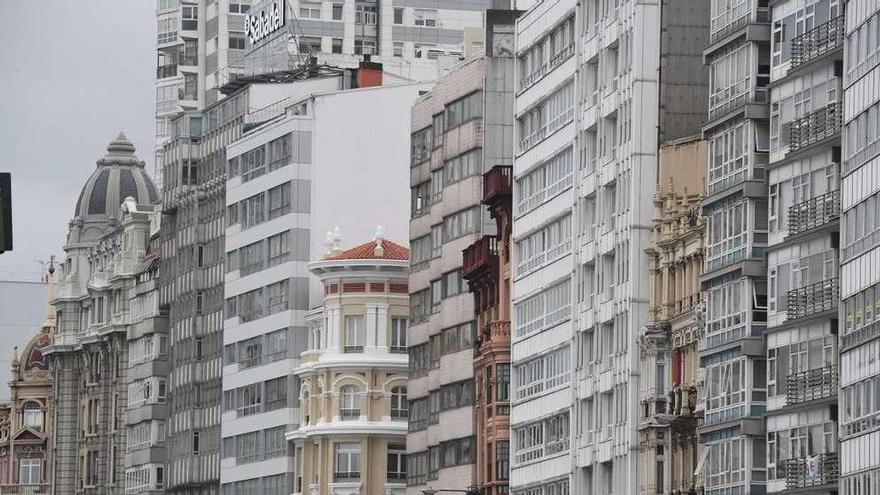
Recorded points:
(859, 253)
(669, 359)
(461, 129)
(590, 111)
(353, 409)
(732, 348)
(26, 421)
(486, 267)
(286, 175)
(802, 246)
(93, 393)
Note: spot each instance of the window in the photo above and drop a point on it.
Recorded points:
(279, 152)
(337, 45)
(729, 78)
(465, 165)
(354, 334)
(398, 16)
(544, 309)
(419, 303)
(398, 334)
(436, 295)
(365, 13)
(349, 402)
(461, 223)
(425, 18)
(279, 200)
(309, 10)
(190, 16)
(545, 181)
(29, 471)
(502, 460)
(727, 233)
(464, 109)
(309, 45)
(543, 246)
(543, 373)
(398, 48)
(365, 46)
(276, 393)
(239, 7)
(348, 462)
(236, 41)
(542, 438)
(396, 463)
(453, 284)
(420, 146)
(32, 415)
(420, 196)
(399, 404)
(337, 12)
(546, 117)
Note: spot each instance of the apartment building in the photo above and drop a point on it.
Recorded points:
(413, 40)
(486, 267)
(200, 46)
(732, 350)
(286, 177)
(669, 359)
(100, 318)
(859, 253)
(803, 177)
(460, 130)
(589, 120)
(353, 409)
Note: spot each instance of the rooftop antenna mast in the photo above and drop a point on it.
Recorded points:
(295, 33)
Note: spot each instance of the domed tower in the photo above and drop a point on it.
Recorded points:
(107, 242)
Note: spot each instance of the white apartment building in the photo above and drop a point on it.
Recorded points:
(290, 180)
(859, 252)
(412, 39)
(589, 123)
(806, 59)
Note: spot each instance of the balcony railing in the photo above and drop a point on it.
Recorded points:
(483, 253)
(347, 476)
(756, 95)
(812, 299)
(24, 489)
(821, 124)
(814, 212)
(352, 349)
(818, 41)
(349, 414)
(164, 71)
(733, 19)
(814, 384)
(815, 470)
(498, 183)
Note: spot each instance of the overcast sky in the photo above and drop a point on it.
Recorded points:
(75, 74)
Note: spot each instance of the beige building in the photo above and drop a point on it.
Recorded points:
(669, 352)
(353, 405)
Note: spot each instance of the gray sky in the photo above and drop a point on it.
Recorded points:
(75, 73)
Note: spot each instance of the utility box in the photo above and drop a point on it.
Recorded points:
(5, 212)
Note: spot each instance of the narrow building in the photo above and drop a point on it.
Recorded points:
(460, 130)
(668, 349)
(352, 403)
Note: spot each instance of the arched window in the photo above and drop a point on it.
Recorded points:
(32, 415)
(399, 406)
(350, 402)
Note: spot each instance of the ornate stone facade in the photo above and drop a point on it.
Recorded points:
(668, 345)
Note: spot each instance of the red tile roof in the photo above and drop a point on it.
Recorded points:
(366, 251)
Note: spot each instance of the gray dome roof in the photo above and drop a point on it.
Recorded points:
(119, 175)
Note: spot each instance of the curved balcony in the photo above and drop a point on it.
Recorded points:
(817, 126)
(813, 299)
(822, 39)
(814, 213)
(815, 384)
(481, 255)
(815, 470)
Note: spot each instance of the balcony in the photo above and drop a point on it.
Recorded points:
(24, 489)
(814, 212)
(822, 39)
(352, 349)
(480, 255)
(496, 334)
(731, 20)
(816, 470)
(164, 71)
(815, 384)
(349, 414)
(822, 124)
(498, 184)
(813, 299)
(720, 106)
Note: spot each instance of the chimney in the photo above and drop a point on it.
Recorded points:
(369, 73)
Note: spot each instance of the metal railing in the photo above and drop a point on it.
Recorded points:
(481, 253)
(351, 349)
(812, 299)
(824, 123)
(755, 95)
(347, 476)
(818, 41)
(814, 212)
(814, 384)
(815, 470)
(349, 413)
(24, 489)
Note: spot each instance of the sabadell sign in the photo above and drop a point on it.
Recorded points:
(269, 20)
